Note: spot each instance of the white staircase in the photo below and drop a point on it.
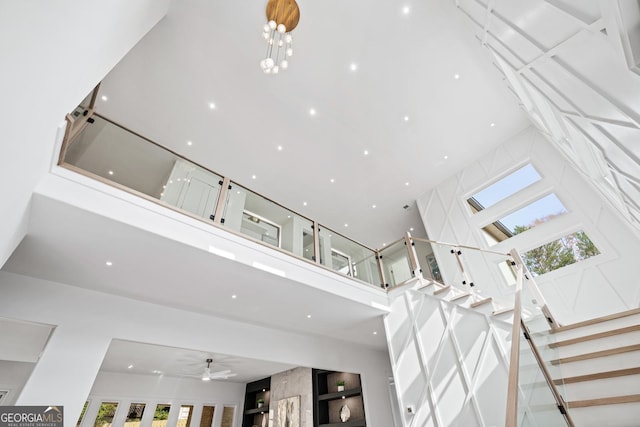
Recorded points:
(596, 366)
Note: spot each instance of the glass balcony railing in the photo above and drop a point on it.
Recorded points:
(119, 157)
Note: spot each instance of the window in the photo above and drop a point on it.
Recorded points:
(504, 188)
(184, 418)
(227, 416)
(84, 409)
(206, 419)
(538, 212)
(559, 253)
(105, 414)
(134, 416)
(161, 415)
(3, 394)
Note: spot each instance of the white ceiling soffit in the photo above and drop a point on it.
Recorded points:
(362, 66)
(22, 341)
(150, 359)
(574, 66)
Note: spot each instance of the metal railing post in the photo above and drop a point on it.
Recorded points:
(384, 283)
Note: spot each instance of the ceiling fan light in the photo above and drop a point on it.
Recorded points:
(206, 375)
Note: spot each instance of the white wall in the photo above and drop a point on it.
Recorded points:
(600, 285)
(126, 388)
(87, 321)
(13, 375)
(450, 363)
(52, 54)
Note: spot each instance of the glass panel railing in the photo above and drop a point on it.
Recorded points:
(465, 268)
(536, 403)
(261, 219)
(427, 260)
(396, 263)
(122, 157)
(348, 257)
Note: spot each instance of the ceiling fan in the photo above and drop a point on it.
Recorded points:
(219, 375)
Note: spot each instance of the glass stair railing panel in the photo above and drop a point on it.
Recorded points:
(121, 157)
(396, 263)
(348, 257)
(252, 215)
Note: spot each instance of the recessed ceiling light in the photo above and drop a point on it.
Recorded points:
(308, 316)
(212, 106)
(353, 66)
(253, 177)
(384, 244)
(157, 372)
(366, 152)
(406, 118)
(406, 184)
(312, 111)
(332, 180)
(130, 367)
(406, 10)
(456, 76)
(289, 216)
(492, 124)
(234, 296)
(105, 98)
(373, 206)
(304, 203)
(189, 143)
(375, 332)
(346, 225)
(110, 172)
(446, 157)
(411, 229)
(109, 263)
(279, 147)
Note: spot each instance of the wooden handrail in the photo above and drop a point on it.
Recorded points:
(511, 419)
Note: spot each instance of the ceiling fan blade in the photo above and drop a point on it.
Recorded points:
(221, 373)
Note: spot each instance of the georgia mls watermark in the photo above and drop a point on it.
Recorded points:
(31, 416)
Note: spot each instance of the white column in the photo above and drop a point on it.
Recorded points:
(66, 370)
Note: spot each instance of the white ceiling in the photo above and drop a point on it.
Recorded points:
(208, 52)
(22, 341)
(149, 359)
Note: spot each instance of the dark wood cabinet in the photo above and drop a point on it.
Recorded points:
(253, 411)
(328, 400)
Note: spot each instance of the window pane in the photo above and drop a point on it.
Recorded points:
(504, 188)
(206, 420)
(184, 418)
(134, 417)
(227, 416)
(161, 415)
(559, 253)
(538, 212)
(105, 414)
(84, 409)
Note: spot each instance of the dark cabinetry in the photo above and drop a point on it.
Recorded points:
(330, 400)
(255, 410)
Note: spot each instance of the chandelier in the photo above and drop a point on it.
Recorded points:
(282, 18)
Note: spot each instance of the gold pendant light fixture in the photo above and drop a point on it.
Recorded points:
(282, 18)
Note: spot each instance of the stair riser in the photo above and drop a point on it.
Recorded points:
(618, 386)
(599, 344)
(599, 327)
(600, 364)
(622, 415)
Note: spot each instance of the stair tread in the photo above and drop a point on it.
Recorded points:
(502, 311)
(597, 320)
(612, 400)
(482, 301)
(460, 296)
(595, 336)
(441, 290)
(602, 353)
(597, 376)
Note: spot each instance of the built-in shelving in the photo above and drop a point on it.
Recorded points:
(328, 400)
(253, 415)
